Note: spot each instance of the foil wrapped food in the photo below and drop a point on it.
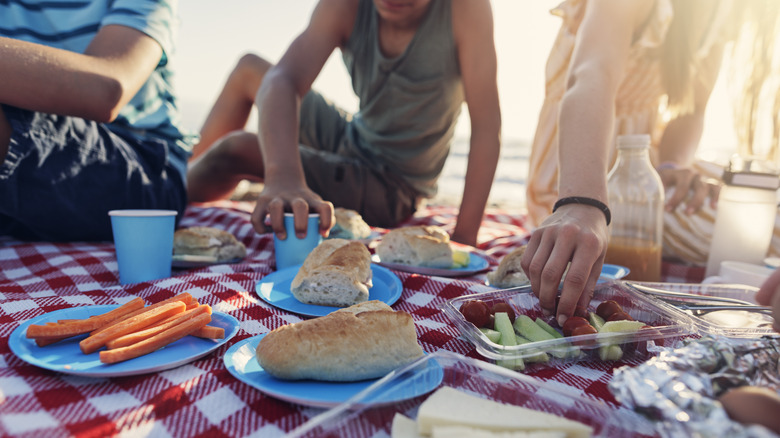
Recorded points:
(678, 388)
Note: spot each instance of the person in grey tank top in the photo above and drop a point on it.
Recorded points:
(413, 64)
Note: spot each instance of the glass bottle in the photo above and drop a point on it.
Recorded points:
(636, 199)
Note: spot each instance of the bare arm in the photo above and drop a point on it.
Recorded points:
(578, 233)
(473, 28)
(94, 85)
(278, 102)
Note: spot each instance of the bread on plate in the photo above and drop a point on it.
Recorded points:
(210, 242)
(424, 245)
(364, 341)
(336, 273)
(349, 225)
(509, 273)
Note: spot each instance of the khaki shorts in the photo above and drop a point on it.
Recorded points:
(342, 173)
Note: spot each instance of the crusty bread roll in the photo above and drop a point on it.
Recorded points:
(349, 225)
(360, 342)
(336, 273)
(509, 273)
(425, 245)
(208, 241)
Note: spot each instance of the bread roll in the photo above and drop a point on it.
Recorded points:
(425, 245)
(509, 273)
(336, 273)
(207, 241)
(360, 342)
(349, 225)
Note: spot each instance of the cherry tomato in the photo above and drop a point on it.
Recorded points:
(503, 307)
(607, 308)
(620, 316)
(572, 323)
(583, 330)
(476, 312)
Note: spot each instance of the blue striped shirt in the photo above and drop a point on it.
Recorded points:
(72, 24)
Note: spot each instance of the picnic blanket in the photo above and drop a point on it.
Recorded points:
(202, 398)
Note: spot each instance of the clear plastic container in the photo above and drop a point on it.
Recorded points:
(729, 323)
(357, 418)
(636, 200)
(664, 325)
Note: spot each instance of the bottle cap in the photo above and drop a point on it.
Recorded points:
(751, 172)
(634, 141)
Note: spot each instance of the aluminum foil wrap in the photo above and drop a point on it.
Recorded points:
(678, 388)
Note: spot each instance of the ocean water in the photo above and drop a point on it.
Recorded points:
(508, 189)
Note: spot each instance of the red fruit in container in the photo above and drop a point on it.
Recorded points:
(584, 330)
(503, 307)
(581, 311)
(572, 323)
(620, 316)
(607, 308)
(476, 312)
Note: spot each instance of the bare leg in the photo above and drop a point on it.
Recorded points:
(233, 105)
(5, 135)
(216, 174)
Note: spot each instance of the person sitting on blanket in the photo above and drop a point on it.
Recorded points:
(412, 66)
(621, 67)
(88, 117)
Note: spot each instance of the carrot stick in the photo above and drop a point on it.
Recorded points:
(184, 297)
(209, 332)
(82, 325)
(157, 341)
(140, 321)
(132, 338)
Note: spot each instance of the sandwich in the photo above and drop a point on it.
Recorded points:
(207, 243)
(509, 273)
(336, 273)
(364, 341)
(425, 245)
(349, 225)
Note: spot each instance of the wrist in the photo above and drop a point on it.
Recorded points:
(582, 200)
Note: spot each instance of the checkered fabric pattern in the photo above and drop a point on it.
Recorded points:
(201, 398)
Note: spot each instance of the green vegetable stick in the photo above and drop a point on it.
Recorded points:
(508, 339)
(529, 329)
(607, 351)
(541, 356)
(548, 328)
(491, 334)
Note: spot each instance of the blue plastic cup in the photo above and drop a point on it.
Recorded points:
(144, 243)
(292, 250)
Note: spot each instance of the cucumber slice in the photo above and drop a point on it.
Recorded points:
(493, 335)
(504, 326)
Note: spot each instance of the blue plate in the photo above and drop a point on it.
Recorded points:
(613, 272)
(66, 357)
(274, 289)
(476, 264)
(241, 362)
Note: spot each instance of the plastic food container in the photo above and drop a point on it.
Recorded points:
(729, 323)
(665, 325)
(476, 377)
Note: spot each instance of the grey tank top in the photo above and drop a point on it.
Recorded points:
(409, 104)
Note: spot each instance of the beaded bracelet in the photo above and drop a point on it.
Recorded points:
(585, 201)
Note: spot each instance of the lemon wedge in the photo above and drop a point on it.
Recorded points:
(460, 259)
(621, 326)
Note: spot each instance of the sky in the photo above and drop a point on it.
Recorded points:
(212, 39)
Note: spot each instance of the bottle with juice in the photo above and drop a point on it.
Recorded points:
(636, 199)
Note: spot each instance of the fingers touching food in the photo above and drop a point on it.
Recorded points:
(364, 341)
(336, 273)
(417, 246)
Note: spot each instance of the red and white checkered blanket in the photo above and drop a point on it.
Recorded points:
(202, 398)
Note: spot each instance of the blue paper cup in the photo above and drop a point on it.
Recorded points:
(292, 250)
(144, 243)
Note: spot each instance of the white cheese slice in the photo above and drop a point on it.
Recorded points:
(403, 427)
(451, 407)
(470, 432)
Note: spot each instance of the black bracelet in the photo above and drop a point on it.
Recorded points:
(586, 201)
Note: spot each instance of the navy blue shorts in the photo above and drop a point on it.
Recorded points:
(62, 176)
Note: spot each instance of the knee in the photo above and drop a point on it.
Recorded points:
(251, 66)
(234, 150)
